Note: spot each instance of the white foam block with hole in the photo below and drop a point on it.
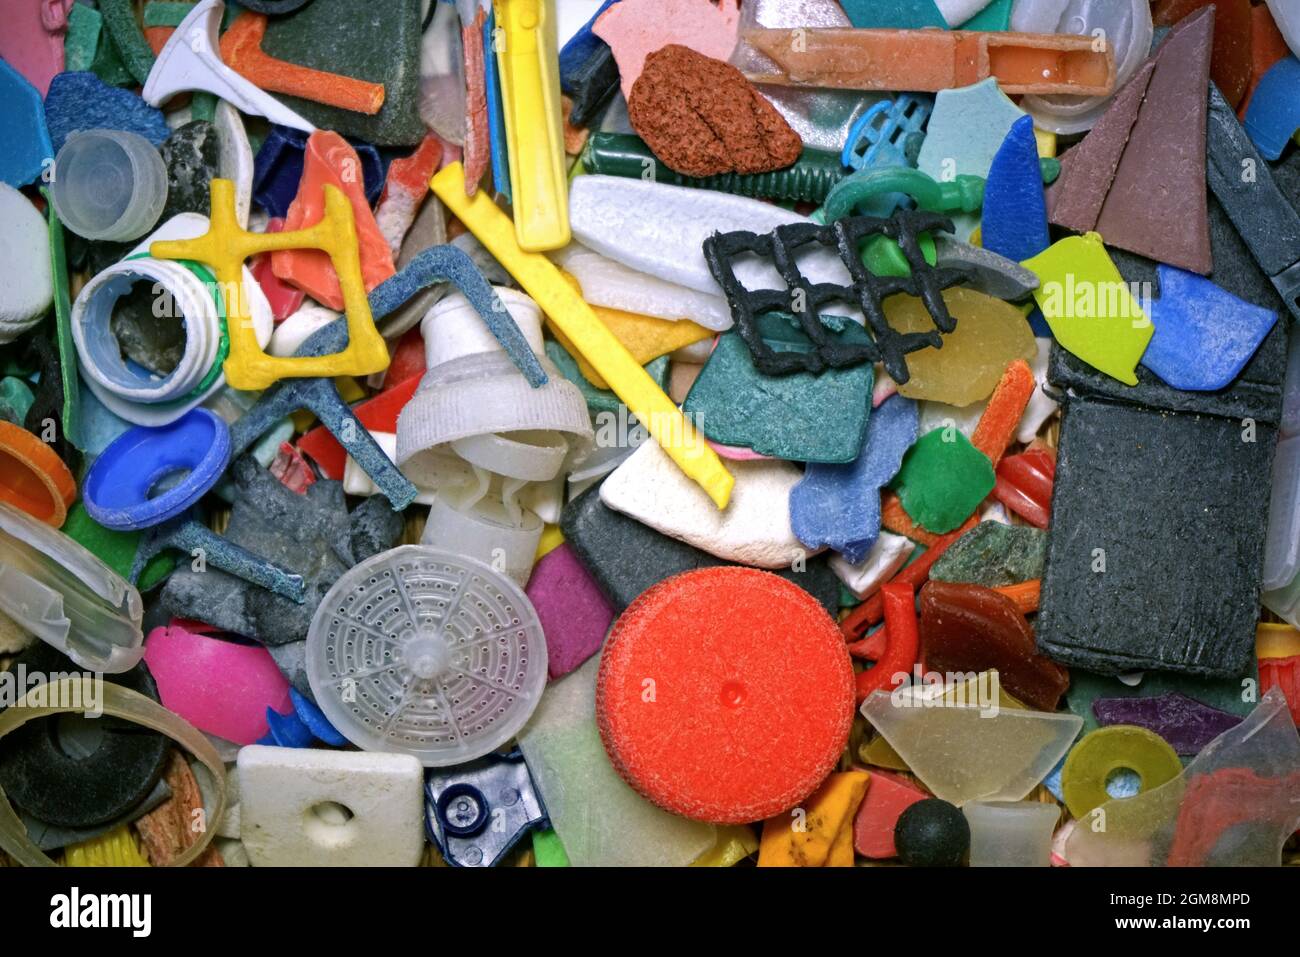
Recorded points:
(292, 803)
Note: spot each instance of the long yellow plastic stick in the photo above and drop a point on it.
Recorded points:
(579, 323)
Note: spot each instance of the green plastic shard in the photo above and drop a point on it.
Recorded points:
(71, 413)
(1089, 307)
(971, 753)
(600, 819)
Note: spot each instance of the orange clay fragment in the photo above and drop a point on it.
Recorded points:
(1002, 415)
(241, 49)
(169, 829)
(933, 60)
(32, 477)
(894, 519)
(1024, 594)
(329, 159)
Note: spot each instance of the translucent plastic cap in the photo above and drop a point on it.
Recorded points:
(426, 652)
(109, 185)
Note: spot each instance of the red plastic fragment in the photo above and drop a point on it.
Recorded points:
(888, 796)
(285, 299)
(1282, 673)
(892, 668)
(292, 469)
(1024, 485)
(378, 415)
(855, 624)
(407, 360)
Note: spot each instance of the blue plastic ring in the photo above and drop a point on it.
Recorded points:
(116, 490)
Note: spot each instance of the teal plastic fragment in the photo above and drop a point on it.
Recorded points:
(893, 14)
(995, 18)
(803, 417)
(600, 400)
(81, 43)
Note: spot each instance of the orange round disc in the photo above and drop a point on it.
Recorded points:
(725, 694)
(32, 477)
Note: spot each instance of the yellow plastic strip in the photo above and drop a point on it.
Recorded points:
(118, 702)
(528, 58)
(226, 245)
(600, 347)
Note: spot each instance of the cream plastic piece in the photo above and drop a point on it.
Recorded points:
(235, 157)
(118, 702)
(309, 807)
(608, 283)
(968, 753)
(1235, 804)
(754, 529)
(1011, 833)
(600, 820)
(191, 61)
(53, 587)
(486, 530)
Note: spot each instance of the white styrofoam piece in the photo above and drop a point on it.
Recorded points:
(295, 805)
(600, 820)
(1041, 406)
(1286, 14)
(886, 557)
(754, 529)
(26, 277)
(660, 229)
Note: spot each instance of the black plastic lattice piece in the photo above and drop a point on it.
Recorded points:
(804, 299)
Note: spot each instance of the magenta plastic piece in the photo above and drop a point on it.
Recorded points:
(574, 612)
(218, 686)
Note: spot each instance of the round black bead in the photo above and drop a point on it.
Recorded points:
(932, 833)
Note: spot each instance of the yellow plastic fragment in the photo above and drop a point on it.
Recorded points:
(1276, 640)
(646, 337)
(735, 843)
(115, 848)
(552, 538)
(1088, 306)
(528, 59)
(592, 340)
(226, 245)
(813, 834)
(1046, 141)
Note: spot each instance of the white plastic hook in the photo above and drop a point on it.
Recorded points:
(191, 61)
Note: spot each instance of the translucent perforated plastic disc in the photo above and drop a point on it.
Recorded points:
(426, 652)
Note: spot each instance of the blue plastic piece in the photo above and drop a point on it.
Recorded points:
(1204, 335)
(301, 727)
(839, 505)
(82, 101)
(116, 489)
(893, 14)
(27, 148)
(1053, 780)
(314, 719)
(476, 812)
(322, 397)
(1274, 112)
(277, 169)
(1014, 222)
(286, 731)
(580, 46)
(879, 137)
(495, 111)
(188, 535)
(447, 263)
